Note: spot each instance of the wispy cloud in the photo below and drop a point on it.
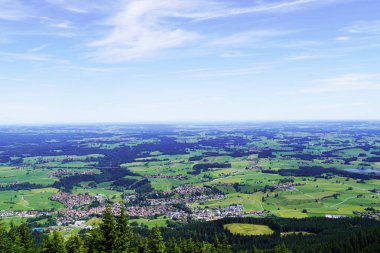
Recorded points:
(250, 37)
(57, 23)
(29, 56)
(37, 49)
(302, 57)
(365, 27)
(85, 6)
(207, 72)
(234, 54)
(342, 38)
(221, 11)
(144, 28)
(140, 31)
(13, 10)
(93, 69)
(347, 82)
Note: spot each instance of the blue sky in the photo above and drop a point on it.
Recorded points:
(68, 61)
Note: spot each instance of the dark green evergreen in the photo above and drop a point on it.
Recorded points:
(75, 244)
(351, 235)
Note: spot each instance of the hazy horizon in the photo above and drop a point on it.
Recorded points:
(123, 61)
(189, 122)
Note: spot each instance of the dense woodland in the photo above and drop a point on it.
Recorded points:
(115, 235)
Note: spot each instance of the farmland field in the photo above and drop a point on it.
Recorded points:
(168, 175)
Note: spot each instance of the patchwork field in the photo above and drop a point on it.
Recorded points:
(168, 175)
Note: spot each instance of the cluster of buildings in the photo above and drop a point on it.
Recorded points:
(25, 214)
(81, 225)
(62, 172)
(177, 177)
(178, 215)
(208, 214)
(287, 186)
(70, 200)
(69, 216)
(334, 216)
(189, 190)
(258, 213)
(149, 211)
(369, 215)
(154, 204)
(218, 213)
(182, 194)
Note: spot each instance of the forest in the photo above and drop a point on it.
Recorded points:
(115, 235)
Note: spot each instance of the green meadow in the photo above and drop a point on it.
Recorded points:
(248, 229)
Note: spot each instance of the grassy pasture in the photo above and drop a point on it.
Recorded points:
(24, 175)
(159, 222)
(24, 200)
(248, 229)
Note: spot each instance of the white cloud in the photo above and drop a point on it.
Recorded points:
(347, 82)
(146, 27)
(232, 54)
(85, 6)
(29, 56)
(207, 72)
(140, 31)
(343, 38)
(208, 9)
(63, 25)
(229, 10)
(92, 69)
(248, 37)
(57, 23)
(365, 27)
(37, 49)
(302, 57)
(13, 10)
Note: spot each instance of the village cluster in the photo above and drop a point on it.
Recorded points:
(63, 172)
(175, 204)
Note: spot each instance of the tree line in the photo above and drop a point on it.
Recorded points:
(113, 235)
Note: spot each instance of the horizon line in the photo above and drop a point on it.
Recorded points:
(169, 122)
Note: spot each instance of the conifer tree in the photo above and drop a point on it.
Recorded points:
(155, 242)
(94, 241)
(3, 239)
(190, 246)
(15, 245)
(26, 238)
(54, 244)
(254, 250)
(225, 247)
(75, 244)
(207, 248)
(217, 242)
(124, 237)
(143, 246)
(173, 247)
(108, 229)
(281, 249)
